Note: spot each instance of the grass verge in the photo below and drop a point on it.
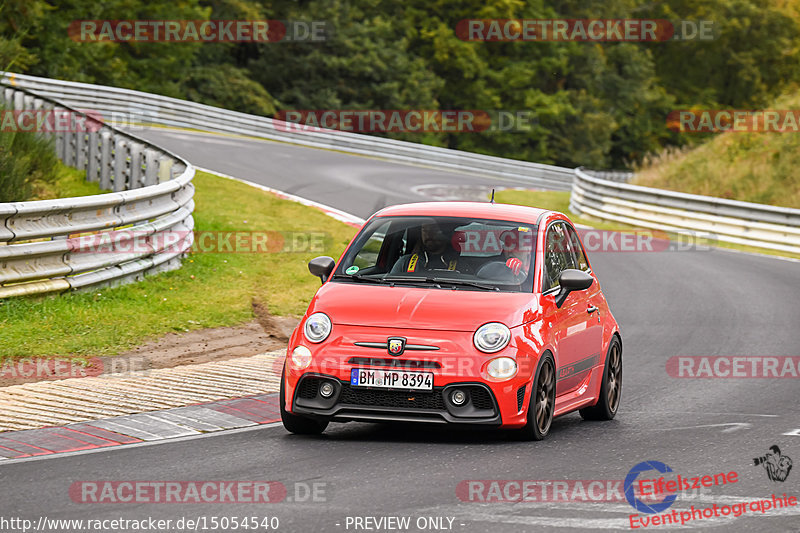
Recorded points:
(752, 167)
(67, 183)
(210, 290)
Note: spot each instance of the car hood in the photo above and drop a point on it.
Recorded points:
(418, 308)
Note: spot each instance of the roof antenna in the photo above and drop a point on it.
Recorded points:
(492, 200)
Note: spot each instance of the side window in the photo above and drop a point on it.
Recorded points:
(368, 255)
(562, 251)
(580, 257)
(555, 256)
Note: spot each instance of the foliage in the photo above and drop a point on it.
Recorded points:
(596, 104)
(27, 162)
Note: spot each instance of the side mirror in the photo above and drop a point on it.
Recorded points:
(572, 280)
(322, 267)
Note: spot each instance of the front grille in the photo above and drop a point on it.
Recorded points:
(309, 388)
(391, 398)
(480, 398)
(520, 397)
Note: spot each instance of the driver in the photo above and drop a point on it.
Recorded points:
(437, 252)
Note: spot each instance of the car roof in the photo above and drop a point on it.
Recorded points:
(492, 211)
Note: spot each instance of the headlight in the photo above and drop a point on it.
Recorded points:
(502, 368)
(301, 358)
(317, 327)
(492, 337)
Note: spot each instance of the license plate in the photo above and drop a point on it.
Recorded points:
(391, 379)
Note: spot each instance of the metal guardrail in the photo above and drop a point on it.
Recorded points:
(601, 194)
(165, 111)
(763, 226)
(74, 243)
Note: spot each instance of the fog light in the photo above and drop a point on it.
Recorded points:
(458, 397)
(502, 368)
(301, 358)
(326, 390)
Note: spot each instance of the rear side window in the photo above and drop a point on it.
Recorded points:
(580, 256)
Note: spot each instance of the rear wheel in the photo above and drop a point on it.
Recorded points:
(543, 401)
(611, 388)
(299, 425)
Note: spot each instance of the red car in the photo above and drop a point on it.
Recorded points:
(463, 313)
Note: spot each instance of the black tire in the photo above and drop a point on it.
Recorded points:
(543, 401)
(299, 425)
(611, 388)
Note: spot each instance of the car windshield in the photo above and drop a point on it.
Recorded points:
(442, 253)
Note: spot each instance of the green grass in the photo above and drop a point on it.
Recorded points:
(68, 182)
(210, 290)
(559, 201)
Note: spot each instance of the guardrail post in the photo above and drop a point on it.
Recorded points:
(165, 168)
(59, 133)
(70, 140)
(136, 166)
(93, 156)
(150, 167)
(121, 171)
(106, 141)
(19, 103)
(80, 150)
(44, 117)
(177, 169)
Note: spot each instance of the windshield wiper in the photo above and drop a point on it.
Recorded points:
(465, 282)
(358, 277)
(438, 281)
(411, 279)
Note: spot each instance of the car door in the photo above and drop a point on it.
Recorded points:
(573, 325)
(589, 304)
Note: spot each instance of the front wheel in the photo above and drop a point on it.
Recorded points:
(543, 401)
(611, 388)
(299, 425)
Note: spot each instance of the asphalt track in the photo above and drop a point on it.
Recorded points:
(688, 303)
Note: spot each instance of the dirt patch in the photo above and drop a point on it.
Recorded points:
(264, 334)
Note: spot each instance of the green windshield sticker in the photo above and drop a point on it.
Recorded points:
(351, 270)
